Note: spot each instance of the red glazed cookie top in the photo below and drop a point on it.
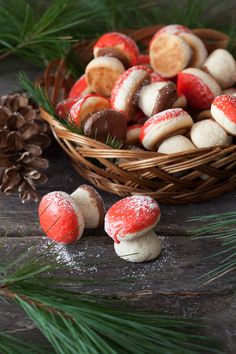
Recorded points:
(166, 115)
(131, 215)
(59, 218)
(79, 88)
(63, 108)
(123, 42)
(227, 104)
(198, 93)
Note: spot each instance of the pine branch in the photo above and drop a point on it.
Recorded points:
(41, 36)
(44, 37)
(76, 322)
(221, 227)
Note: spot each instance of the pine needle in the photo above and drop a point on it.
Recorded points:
(221, 227)
(38, 95)
(13, 345)
(75, 322)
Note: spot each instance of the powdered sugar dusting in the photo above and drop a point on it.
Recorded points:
(227, 104)
(131, 215)
(173, 29)
(60, 200)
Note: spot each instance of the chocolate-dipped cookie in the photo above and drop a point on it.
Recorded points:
(157, 97)
(104, 124)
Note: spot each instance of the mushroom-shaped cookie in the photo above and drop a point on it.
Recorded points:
(60, 217)
(91, 204)
(221, 65)
(157, 97)
(85, 106)
(117, 45)
(208, 133)
(63, 108)
(63, 217)
(133, 133)
(169, 54)
(199, 51)
(102, 73)
(106, 124)
(126, 87)
(163, 125)
(223, 110)
(175, 144)
(199, 88)
(130, 221)
(80, 88)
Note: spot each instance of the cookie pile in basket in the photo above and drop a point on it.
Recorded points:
(176, 98)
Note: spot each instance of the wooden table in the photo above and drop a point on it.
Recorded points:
(168, 284)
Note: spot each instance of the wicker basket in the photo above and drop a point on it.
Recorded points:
(172, 179)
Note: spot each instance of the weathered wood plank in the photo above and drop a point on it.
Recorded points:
(168, 284)
(21, 219)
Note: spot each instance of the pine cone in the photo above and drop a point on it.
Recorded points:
(23, 137)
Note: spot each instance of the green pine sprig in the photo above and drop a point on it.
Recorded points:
(40, 34)
(75, 322)
(223, 228)
(42, 37)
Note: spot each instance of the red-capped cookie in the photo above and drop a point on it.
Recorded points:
(157, 97)
(199, 88)
(91, 204)
(161, 126)
(63, 108)
(117, 45)
(80, 88)
(223, 110)
(126, 88)
(102, 73)
(169, 54)
(132, 217)
(60, 217)
(173, 29)
(87, 105)
(133, 132)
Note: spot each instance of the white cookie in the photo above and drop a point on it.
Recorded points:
(141, 249)
(175, 144)
(208, 133)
